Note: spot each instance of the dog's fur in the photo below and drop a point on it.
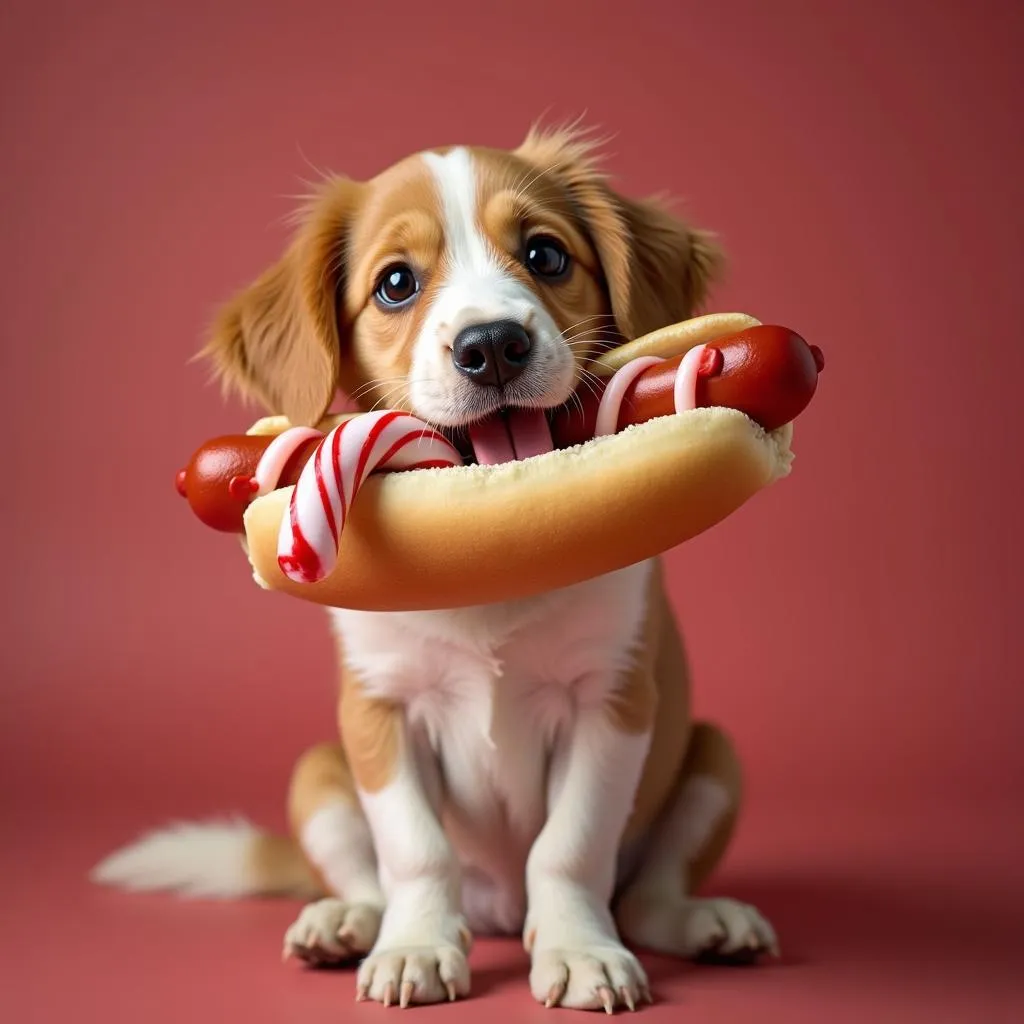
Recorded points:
(526, 768)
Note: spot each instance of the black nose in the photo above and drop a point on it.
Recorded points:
(493, 353)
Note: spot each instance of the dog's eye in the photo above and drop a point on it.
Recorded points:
(396, 286)
(545, 257)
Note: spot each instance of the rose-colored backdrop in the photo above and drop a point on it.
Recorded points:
(856, 627)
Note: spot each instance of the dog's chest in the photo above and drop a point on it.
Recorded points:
(488, 691)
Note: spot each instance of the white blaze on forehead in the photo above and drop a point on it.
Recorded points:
(455, 176)
(475, 288)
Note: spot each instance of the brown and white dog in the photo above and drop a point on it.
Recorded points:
(529, 768)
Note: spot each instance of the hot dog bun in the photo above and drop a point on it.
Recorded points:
(673, 340)
(481, 534)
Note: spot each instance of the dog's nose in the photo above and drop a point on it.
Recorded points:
(493, 353)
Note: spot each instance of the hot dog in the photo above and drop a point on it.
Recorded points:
(769, 373)
(493, 530)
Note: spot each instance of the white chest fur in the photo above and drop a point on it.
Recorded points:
(488, 690)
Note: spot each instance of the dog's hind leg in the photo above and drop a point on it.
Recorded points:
(328, 823)
(658, 910)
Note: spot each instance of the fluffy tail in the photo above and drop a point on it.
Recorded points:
(214, 860)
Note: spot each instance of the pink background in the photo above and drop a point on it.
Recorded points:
(856, 627)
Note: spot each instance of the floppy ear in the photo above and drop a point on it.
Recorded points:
(657, 269)
(279, 341)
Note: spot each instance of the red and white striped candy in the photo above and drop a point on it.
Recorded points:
(307, 547)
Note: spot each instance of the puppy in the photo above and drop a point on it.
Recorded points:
(528, 768)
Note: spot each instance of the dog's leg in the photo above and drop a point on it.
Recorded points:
(420, 954)
(577, 957)
(658, 910)
(332, 831)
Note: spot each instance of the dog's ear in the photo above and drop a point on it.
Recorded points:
(661, 273)
(279, 341)
(657, 268)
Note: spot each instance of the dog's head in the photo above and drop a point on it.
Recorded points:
(459, 284)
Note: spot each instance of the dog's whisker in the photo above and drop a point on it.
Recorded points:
(518, 180)
(429, 428)
(388, 394)
(588, 338)
(591, 390)
(384, 401)
(577, 403)
(589, 380)
(520, 184)
(541, 172)
(589, 319)
(589, 375)
(583, 329)
(587, 326)
(395, 382)
(370, 385)
(376, 383)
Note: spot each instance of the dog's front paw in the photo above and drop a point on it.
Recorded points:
(413, 974)
(331, 931)
(589, 977)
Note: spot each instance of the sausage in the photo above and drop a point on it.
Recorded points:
(768, 373)
(218, 480)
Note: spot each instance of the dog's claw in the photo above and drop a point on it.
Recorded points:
(389, 994)
(362, 992)
(555, 994)
(406, 994)
(452, 994)
(627, 998)
(607, 999)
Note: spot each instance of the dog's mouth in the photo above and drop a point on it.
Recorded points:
(508, 435)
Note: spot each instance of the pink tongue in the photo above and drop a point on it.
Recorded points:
(519, 434)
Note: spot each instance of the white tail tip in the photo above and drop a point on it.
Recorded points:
(213, 859)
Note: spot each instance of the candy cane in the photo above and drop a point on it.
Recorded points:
(310, 533)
